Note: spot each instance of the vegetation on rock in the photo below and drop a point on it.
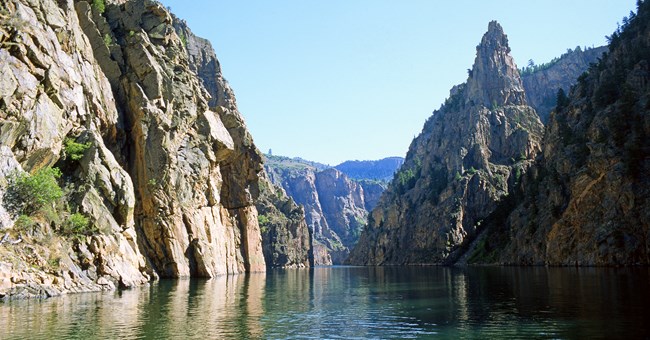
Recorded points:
(30, 194)
(585, 200)
(100, 6)
(75, 150)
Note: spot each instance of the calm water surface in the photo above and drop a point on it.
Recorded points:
(354, 302)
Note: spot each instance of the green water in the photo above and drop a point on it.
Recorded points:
(354, 302)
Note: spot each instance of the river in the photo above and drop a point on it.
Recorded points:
(354, 302)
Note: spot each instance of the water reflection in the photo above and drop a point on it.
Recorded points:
(353, 302)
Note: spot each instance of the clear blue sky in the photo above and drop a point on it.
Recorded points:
(340, 80)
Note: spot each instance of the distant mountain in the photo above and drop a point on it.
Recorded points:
(336, 206)
(382, 170)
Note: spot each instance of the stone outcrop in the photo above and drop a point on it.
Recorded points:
(468, 156)
(336, 207)
(286, 240)
(585, 202)
(53, 89)
(171, 173)
(543, 82)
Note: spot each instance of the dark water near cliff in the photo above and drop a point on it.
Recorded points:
(353, 302)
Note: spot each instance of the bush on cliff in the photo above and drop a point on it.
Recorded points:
(30, 194)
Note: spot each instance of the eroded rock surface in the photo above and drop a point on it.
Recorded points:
(286, 238)
(468, 156)
(171, 173)
(543, 83)
(336, 207)
(586, 201)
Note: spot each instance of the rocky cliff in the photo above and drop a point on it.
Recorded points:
(286, 238)
(586, 201)
(542, 82)
(336, 207)
(468, 156)
(153, 153)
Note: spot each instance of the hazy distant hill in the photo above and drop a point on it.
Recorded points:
(382, 169)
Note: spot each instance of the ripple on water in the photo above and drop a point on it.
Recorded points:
(353, 303)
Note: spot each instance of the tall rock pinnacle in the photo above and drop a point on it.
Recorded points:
(494, 79)
(469, 155)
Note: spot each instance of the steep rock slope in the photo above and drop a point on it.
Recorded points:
(195, 184)
(542, 82)
(335, 206)
(470, 152)
(286, 240)
(586, 202)
(52, 89)
(170, 174)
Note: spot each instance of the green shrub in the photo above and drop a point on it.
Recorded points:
(108, 41)
(457, 176)
(78, 226)
(28, 194)
(24, 223)
(263, 222)
(183, 38)
(471, 171)
(75, 150)
(100, 6)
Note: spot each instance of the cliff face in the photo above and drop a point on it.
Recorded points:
(468, 156)
(335, 206)
(542, 82)
(586, 200)
(170, 173)
(286, 240)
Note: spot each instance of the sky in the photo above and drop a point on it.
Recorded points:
(340, 80)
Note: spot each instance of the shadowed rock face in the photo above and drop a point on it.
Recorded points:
(172, 173)
(469, 154)
(286, 239)
(542, 85)
(585, 202)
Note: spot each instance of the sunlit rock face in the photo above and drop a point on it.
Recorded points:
(171, 174)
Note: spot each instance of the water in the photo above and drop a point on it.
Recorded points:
(354, 302)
